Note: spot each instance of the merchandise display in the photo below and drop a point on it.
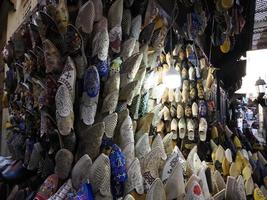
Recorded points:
(106, 102)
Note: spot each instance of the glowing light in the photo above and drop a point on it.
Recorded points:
(172, 78)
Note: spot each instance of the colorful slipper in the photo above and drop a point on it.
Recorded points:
(193, 189)
(48, 188)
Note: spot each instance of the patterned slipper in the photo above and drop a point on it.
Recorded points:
(48, 188)
(62, 191)
(168, 143)
(156, 191)
(52, 57)
(80, 171)
(100, 177)
(129, 153)
(85, 18)
(130, 68)
(112, 84)
(115, 18)
(63, 100)
(110, 124)
(90, 95)
(150, 166)
(89, 146)
(127, 48)
(98, 7)
(193, 189)
(136, 27)
(68, 77)
(135, 179)
(60, 14)
(158, 142)
(100, 43)
(110, 102)
(126, 23)
(175, 189)
(126, 132)
(142, 147)
(64, 159)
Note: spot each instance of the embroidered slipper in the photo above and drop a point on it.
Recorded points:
(142, 147)
(86, 17)
(151, 164)
(127, 48)
(136, 27)
(126, 23)
(48, 188)
(158, 142)
(156, 191)
(112, 84)
(193, 189)
(90, 95)
(126, 132)
(240, 188)
(80, 171)
(110, 124)
(130, 68)
(98, 7)
(52, 57)
(135, 179)
(68, 77)
(140, 75)
(115, 14)
(64, 159)
(129, 153)
(231, 186)
(100, 177)
(63, 100)
(169, 166)
(60, 14)
(128, 92)
(190, 160)
(100, 43)
(65, 124)
(89, 146)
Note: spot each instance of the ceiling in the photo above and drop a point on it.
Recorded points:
(260, 25)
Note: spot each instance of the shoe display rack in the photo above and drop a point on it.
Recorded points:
(109, 100)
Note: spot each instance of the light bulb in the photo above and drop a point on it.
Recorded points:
(172, 79)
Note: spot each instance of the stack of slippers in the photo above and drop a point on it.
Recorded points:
(92, 119)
